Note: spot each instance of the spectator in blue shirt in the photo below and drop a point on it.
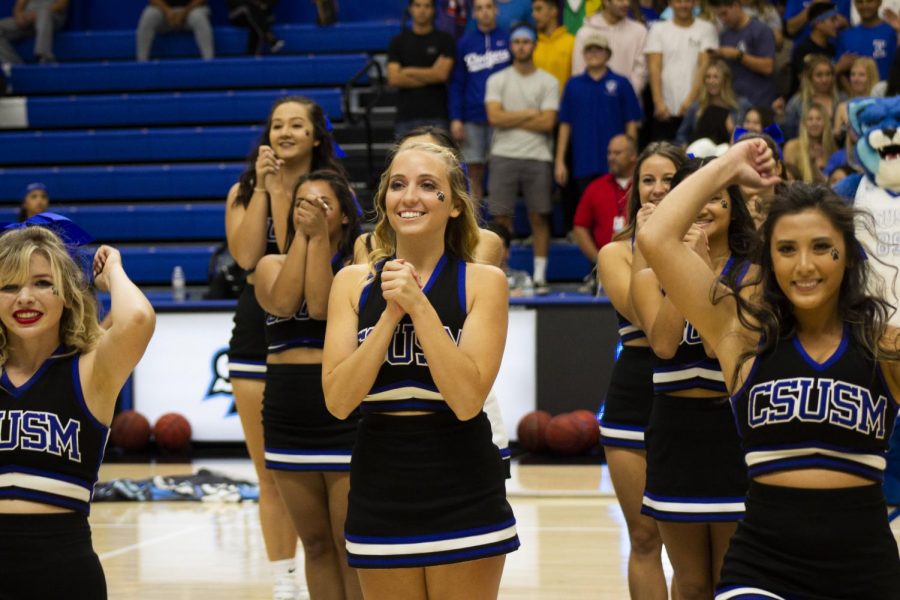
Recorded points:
(748, 46)
(596, 106)
(479, 54)
(872, 37)
(796, 17)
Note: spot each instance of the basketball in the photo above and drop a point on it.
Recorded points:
(531, 430)
(172, 432)
(566, 435)
(130, 430)
(590, 427)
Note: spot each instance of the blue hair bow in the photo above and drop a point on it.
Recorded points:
(773, 131)
(71, 234)
(338, 151)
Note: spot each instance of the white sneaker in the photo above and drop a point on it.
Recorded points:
(285, 588)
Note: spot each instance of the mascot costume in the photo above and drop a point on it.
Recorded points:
(876, 124)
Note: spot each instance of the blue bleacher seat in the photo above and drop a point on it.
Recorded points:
(152, 265)
(188, 74)
(69, 184)
(127, 145)
(564, 263)
(189, 108)
(144, 222)
(229, 41)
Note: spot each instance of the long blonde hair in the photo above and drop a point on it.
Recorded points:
(78, 327)
(872, 77)
(805, 164)
(810, 62)
(461, 233)
(726, 89)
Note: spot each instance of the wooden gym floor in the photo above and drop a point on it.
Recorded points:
(574, 542)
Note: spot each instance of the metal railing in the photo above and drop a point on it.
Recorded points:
(365, 114)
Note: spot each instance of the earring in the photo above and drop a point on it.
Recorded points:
(835, 255)
(440, 195)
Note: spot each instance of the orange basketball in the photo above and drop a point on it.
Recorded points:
(531, 430)
(172, 432)
(130, 430)
(590, 427)
(565, 435)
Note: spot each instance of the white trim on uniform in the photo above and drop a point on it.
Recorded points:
(765, 456)
(460, 543)
(693, 507)
(46, 484)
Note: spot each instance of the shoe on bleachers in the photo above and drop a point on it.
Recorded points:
(276, 46)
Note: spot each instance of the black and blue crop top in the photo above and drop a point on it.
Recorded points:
(795, 413)
(404, 381)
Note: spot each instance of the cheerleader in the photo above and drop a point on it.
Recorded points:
(306, 448)
(416, 345)
(626, 410)
(696, 479)
(814, 369)
(61, 376)
(294, 142)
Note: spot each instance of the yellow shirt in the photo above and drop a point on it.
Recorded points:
(554, 54)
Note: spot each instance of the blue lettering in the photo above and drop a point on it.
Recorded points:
(34, 435)
(814, 407)
(690, 336)
(12, 440)
(62, 438)
(845, 402)
(400, 352)
(757, 411)
(784, 401)
(874, 414)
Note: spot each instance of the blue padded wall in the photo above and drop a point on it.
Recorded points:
(123, 182)
(189, 74)
(229, 41)
(190, 108)
(127, 145)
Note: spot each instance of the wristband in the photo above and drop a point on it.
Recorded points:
(263, 190)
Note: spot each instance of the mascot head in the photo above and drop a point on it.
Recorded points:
(876, 123)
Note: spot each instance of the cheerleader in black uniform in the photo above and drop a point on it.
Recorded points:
(415, 341)
(295, 141)
(696, 479)
(490, 250)
(815, 373)
(626, 410)
(61, 377)
(306, 448)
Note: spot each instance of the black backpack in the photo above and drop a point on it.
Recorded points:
(226, 278)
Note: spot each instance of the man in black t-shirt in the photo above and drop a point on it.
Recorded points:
(419, 63)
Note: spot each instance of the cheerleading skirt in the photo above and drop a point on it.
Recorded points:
(695, 465)
(426, 490)
(299, 432)
(49, 556)
(626, 410)
(812, 544)
(247, 347)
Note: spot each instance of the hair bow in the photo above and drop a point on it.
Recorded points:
(773, 131)
(71, 234)
(338, 151)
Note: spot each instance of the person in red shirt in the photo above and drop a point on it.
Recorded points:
(602, 208)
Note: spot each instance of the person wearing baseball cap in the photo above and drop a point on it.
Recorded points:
(36, 201)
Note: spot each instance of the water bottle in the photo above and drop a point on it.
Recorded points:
(179, 292)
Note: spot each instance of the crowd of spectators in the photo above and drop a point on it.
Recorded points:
(696, 72)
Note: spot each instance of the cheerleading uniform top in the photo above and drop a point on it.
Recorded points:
(404, 381)
(691, 368)
(796, 413)
(299, 330)
(50, 443)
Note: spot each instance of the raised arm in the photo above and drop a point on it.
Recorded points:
(661, 321)
(685, 276)
(105, 369)
(348, 367)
